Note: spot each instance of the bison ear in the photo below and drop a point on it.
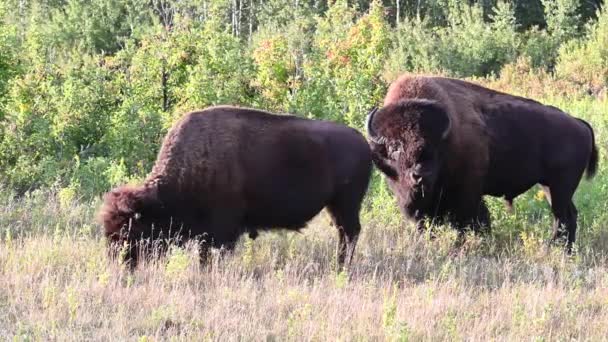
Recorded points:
(436, 121)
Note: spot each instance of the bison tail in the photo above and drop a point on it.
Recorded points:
(594, 158)
(593, 161)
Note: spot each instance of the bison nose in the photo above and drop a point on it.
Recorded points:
(416, 177)
(417, 174)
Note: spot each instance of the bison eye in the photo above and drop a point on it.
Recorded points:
(393, 152)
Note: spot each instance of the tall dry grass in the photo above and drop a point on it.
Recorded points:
(56, 283)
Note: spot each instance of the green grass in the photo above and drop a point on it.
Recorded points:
(56, 282)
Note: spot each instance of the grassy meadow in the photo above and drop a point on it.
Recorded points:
(56, 282)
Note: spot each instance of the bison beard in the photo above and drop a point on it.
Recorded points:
(226, 171)
(444, 143)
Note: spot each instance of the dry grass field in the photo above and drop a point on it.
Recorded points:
(56, 283)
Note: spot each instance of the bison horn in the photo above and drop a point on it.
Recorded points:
(368, 125)
(447, 129)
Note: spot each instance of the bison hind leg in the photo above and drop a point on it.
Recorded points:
(564, 212)
(345, 216)
(253, 233)
(509, 205)
(564, 225)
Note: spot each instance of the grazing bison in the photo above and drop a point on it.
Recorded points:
(444, 143)
(225, 171)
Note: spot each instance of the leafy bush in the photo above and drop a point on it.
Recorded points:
(467, 46)
(275, 76)
(8, 58)
(343, 80)
(53, 114)
(219, 73)
(562, 18)
(585, 61)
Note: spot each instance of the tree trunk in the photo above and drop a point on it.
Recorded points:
(240, 17)
(165, 88)
(251, 4)
(398, 11)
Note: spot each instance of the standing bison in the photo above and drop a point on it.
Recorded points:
(226, 171)
(444, 143)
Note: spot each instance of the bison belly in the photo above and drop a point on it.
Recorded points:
(530, 147)
(288, 185)
(284, 202)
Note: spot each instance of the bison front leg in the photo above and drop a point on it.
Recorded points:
(482, 222)
(471, 214)
(225, 246)
(203, 249)
(127, 254)
(221, 230)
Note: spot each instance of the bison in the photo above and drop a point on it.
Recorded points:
(443, 143)
(225, 171)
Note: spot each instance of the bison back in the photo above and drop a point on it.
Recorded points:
(274, 170)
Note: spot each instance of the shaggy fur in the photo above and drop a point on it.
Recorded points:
(225, 171)
(444, 143)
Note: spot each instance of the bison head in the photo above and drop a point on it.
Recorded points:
(128, 215)
(408, 142)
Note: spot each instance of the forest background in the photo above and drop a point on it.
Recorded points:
(89, 88)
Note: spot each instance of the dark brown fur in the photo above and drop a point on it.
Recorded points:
(225, 171)
(495, 144)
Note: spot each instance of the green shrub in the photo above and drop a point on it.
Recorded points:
(467, 46)
(87, 103)
(585, 61)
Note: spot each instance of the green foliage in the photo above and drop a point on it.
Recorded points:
(8, 57)
(562, 25)
(280, 52)
(54, 114)
(218, 70)
(585, 61)
(88, 89)
(349, 62)
(177, 264)
(475, 48)
(107, 24)
(562, 18)
(467, 46)
(275, 70)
